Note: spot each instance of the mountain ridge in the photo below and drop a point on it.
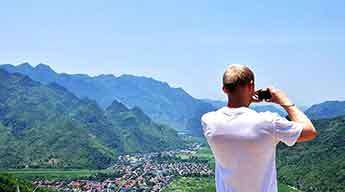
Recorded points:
(48, 126)
(326, 110)
(163, 103)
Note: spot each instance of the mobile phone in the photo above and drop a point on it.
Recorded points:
(264, 94)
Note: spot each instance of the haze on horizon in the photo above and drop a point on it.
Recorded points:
(296, 46)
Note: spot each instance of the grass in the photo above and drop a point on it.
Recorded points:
(286, 188)
(179, 184)
(9, 183)
(191, 184)
(31, 174)
(204, 184)
(205, 153)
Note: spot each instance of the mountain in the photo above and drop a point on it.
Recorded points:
(163, 104)
(215, 103)
(138, 132)
(317, 165)
(327, 109)
(269, 107)
(48, 126)
(262, 107)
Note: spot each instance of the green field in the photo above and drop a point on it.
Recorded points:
(191, 184)
(183, 184)
(204, 184)
(204, 153)
(31, 174)
(9, 183)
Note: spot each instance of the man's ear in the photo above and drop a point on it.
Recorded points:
(226, 91)
(251, 84)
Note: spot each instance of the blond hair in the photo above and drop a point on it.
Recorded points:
(237, 75)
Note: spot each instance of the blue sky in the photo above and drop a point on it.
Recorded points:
(297, 46)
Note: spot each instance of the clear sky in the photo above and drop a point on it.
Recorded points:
(298, 46)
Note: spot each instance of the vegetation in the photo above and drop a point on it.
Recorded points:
(164, 104)
(205, 153)
(46, 126)
(318, 165)
(9, 183)
(191, 184)
(53, 174)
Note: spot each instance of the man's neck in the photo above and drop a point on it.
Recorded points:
(236, 104)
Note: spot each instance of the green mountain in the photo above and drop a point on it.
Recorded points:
(327, 109)
(47, 126)
(318, 165)
(164, 104)
(141, 134)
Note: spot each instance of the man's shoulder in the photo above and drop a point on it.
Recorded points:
(209, 116)
(213, 116)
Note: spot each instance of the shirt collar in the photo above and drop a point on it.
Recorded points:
(234, 111)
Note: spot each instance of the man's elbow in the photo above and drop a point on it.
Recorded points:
(315, 133)
(309, 133)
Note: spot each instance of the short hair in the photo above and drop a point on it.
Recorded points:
(237, 75)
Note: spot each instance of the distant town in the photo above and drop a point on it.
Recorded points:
(138, 172)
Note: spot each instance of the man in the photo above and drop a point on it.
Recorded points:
(243, 141)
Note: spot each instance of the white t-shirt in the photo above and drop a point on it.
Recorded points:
(243, 143)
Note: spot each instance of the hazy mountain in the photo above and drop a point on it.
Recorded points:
(269, 107)
(317, 165)
(328, 109)
(262, 107)
(215, 103)
(47, 126)
(164, 104)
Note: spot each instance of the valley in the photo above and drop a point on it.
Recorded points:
(57, 133)
(190, 169)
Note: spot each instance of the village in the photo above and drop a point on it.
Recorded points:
(138, 172)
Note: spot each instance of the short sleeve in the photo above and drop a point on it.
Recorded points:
(206, 125)
(284, 130)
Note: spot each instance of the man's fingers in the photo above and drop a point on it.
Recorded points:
(255, 98)
(268, 100)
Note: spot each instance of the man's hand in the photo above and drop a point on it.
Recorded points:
(279, 97)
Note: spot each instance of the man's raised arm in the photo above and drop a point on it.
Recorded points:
(296, 115)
